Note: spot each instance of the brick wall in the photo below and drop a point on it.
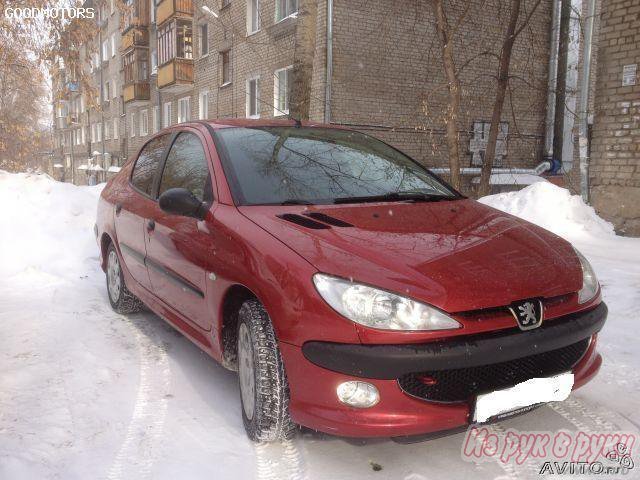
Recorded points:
(388, 75)
(615, 157)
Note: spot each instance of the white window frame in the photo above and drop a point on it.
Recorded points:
(152, 11)
(154, 120)
(132, 125)
(106, 130)
(184, 116)
(98, 132)
(280, 16)
(112, 6)
(166, 114)
(203, 104)
(144, 123)
(115, 128)
(113, 45)
(105, 50)
(248, 91)
(203, 39)
(251, 6)
(277, 111)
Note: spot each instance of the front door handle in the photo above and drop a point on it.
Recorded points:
(151, 225)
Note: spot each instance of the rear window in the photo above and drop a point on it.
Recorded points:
(147, 164)
(274, 165)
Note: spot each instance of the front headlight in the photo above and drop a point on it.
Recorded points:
(379, 309)
(589, 280)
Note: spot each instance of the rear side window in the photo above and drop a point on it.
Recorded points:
(186, 167)
(147, 163)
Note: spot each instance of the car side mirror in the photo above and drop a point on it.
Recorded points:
(180, 201)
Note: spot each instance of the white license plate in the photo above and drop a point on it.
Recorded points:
(522, 395)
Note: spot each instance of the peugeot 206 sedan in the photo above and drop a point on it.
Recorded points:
(354, 292)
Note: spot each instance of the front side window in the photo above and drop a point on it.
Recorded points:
(186, 167)
(252, 98)
(275, 165)
(147, 164)
(285, 8)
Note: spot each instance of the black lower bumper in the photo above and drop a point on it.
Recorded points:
(392, 361)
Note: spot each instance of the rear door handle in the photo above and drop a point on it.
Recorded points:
(151, 225)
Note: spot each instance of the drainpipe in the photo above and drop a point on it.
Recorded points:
(329, 66)
(553, 73)
(583, 106)
(561, 83)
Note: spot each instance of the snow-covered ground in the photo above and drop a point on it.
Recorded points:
(89, 394)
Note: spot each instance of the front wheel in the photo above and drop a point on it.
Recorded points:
(121, 299)
(264, 391)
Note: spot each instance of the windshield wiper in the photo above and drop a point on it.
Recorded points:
(294, 201)
(396, 197)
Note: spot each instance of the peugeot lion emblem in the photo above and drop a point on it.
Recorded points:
(528, 313)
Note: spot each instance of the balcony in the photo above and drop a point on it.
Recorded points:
(133, 93)
(135, 37)
(176, 75)
(173, 8)
(135, 15)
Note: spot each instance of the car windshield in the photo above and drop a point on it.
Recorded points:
(301, 165)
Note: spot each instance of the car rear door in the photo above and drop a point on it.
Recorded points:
(179, 249)
(135, 204)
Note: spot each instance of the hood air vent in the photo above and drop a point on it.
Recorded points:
(336, 222)
(303, 221)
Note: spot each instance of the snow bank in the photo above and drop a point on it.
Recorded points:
(553, 208)
(45, 226)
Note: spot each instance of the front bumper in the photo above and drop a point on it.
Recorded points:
(315, 370)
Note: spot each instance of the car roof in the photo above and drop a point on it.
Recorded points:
(249, 122)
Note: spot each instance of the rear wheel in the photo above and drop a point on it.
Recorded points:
(121, 299)
(264, 391)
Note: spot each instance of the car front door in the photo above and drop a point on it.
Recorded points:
(135, 204)
(180, 249)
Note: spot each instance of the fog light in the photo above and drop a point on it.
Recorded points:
(358, 394)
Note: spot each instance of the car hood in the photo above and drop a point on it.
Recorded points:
(456, 255)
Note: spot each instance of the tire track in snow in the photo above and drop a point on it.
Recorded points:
(276, 461)
(139, 449)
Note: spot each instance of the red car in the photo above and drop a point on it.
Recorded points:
(355, 292)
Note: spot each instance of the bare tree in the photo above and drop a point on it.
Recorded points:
(511, 34)
(446, 34)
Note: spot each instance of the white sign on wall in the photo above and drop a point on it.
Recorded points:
(629, 74)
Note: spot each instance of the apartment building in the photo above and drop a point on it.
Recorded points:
(374, 66)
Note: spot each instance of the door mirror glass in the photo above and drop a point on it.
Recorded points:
(180, 201)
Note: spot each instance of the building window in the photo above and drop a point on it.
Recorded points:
(154, 120)
(144, 123)
(115, 128)
(132, 125)
(105, 50)
(93, 133)
(135, 67)
(175, 40)
(98, 132)
(203, 104)
(204, 40)
(113, 45)
(166, 114)
(152, 10)
(285, 8)
(114, 89)
(226, 67)
(282, 91)
(225, 3)
(106, 94)
(154, 62)
(112, 6)
(106, 131)
(253, 16)
(252, 98)
(184, 109)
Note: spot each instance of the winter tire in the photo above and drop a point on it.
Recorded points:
(264, 391)
(121, 299)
